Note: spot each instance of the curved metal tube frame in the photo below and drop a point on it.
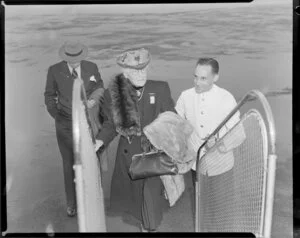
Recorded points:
(250, 96)
(79, 93)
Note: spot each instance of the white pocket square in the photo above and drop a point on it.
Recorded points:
(92, 78)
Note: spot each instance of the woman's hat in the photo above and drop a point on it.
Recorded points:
(137, 58)
(73, 52)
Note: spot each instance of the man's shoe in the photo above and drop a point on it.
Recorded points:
(145, 230)
(142, 228)
(71, 211)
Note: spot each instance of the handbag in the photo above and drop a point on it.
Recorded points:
(151, 164)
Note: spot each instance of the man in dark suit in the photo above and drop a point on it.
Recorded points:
(58, 99)
(130, 103)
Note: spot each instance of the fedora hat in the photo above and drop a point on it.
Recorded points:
(73, 52)
(137, 58)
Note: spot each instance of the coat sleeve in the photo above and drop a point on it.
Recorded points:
(108, 131)
(50, 94)
(167, 101)
(228, 106)
(98, 90)
(180, 106)
(236, 138)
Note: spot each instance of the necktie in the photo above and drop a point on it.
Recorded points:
(74, 74)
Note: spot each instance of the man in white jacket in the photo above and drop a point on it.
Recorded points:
(205, 106)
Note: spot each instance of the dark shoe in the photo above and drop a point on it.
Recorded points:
(146, 230)
(142, 228)
(71, 211)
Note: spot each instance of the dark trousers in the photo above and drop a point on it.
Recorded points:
(65, 143)
(193, 173)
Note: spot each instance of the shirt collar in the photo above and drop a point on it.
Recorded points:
(71, 69)
(213, 88)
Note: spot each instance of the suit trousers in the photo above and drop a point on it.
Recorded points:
(64, 137)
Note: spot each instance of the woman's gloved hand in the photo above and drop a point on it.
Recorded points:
(145, 144)
(91, 103)
(98, 144)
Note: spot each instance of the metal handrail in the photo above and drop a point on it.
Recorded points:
(250, 96)
(78, 88)
(271, 163)
(79, 98)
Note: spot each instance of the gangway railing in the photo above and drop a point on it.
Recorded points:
(89, 193)
(247, 206)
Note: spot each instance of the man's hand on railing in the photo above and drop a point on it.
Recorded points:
(210, 143)
(221, 147)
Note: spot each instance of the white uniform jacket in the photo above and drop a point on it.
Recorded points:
(205, 112)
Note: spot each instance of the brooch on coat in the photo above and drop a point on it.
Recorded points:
(152, 98)
(92, 78)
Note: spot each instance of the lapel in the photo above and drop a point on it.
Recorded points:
(143, 103)
(64, 70)
(147, 110)
(146, 95)
(84, 72)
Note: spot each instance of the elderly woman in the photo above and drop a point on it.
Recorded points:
(131, 102)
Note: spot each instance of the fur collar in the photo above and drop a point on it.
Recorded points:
(124, 107)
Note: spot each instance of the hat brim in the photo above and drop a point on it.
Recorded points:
(139, 66)
(74, 58)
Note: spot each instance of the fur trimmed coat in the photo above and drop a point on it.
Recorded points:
(126, 114)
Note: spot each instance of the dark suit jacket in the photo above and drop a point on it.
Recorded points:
(59, 86)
